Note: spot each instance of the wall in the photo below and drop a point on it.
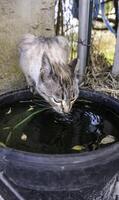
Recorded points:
(18, 17)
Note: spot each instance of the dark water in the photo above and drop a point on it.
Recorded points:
(88, 127)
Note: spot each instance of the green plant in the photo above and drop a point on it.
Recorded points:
(28, 118)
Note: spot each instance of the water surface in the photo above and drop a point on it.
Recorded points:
(88, 127)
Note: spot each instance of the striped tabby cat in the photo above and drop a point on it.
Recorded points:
(44, 64)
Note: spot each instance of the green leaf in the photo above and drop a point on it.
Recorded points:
(78, 147)
(28, 118)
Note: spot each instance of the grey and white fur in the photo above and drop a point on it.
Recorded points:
(44, 62)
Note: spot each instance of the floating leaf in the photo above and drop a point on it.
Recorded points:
(108, 139)
(94, 146)
(78, 147)
(9, 111)
(24, 137)
(2, 144)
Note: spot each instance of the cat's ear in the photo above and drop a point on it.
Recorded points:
(74, 66)
(46, 68)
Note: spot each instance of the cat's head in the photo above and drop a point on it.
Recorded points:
(58, 85)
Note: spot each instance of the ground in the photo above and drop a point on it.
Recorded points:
(99, 76)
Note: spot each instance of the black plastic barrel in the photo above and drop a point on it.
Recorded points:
(85, 176)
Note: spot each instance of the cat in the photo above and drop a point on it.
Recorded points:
(44, 62)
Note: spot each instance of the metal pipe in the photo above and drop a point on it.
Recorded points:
(115, 69)
(85, 16)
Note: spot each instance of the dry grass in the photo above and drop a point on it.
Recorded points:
(99, 77)
(105, 43)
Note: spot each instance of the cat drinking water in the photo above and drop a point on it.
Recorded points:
(44, 62)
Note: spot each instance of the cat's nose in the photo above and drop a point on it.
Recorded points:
(66, 107)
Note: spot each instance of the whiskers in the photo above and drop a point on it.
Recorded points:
(37, 102)
(41, 103)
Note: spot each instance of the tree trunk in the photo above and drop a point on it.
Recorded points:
(59, 29)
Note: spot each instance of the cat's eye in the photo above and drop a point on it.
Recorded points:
(57, 100)
(73, 99)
